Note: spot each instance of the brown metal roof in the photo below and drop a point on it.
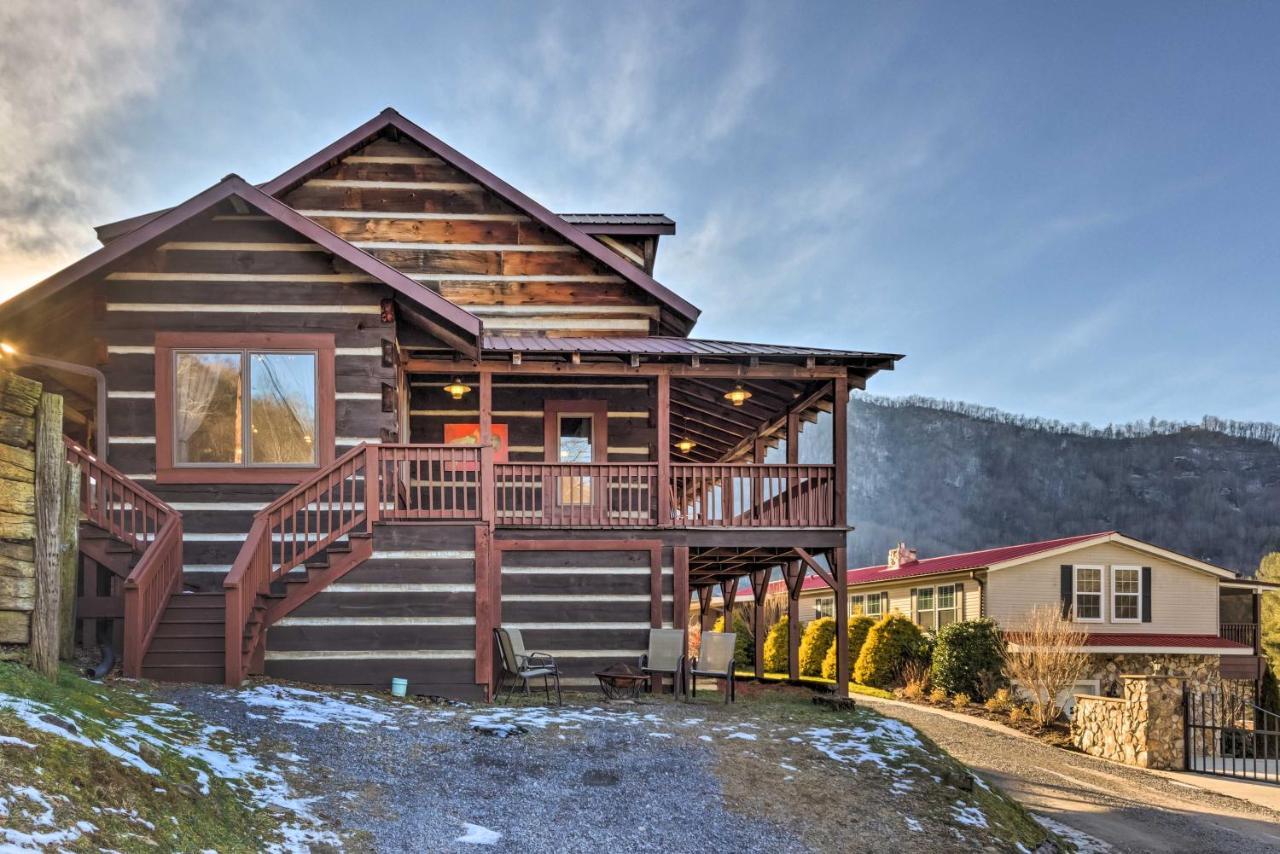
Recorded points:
(656, 345)
(617, 219)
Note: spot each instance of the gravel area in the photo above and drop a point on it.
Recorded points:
(1131, 809)
(420, 778)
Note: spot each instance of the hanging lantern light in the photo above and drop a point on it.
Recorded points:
(685, 445)
(457, 388)
(737, 395)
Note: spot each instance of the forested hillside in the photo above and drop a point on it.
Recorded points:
(949, 477)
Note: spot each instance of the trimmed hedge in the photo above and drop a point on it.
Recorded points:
(968, 658)
(818, 637)
(891, 643)
(744, 644)
(775, 646)
(858, 628)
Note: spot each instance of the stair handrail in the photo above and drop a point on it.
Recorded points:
(255, 566)
(113, 501)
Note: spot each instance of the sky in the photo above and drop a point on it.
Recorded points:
(1062, 210)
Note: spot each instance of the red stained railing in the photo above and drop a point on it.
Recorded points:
(746, 495)
(118, 505)
(576, 495)
(430, 482)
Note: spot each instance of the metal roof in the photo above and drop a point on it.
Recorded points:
(656, 345)
(618, 218)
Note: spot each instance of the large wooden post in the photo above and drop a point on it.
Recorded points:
(50, 474)
(69, 559)
(759, 591)
(680, 591)
(840, 448)
(664, 449)
(793, 438)
(794, 573)
(841, 573)
(704, 606)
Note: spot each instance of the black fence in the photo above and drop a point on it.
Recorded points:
(1228, 734)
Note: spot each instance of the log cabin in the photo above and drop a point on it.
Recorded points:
(338, 426)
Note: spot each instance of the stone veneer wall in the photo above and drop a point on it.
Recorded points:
(1144, 727)
(19, 399)
(1200, 671)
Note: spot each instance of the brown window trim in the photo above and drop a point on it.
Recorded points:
(599, 412)
(167, 342)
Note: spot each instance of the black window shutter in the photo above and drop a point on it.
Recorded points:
(1146, 594)
(1068, 587)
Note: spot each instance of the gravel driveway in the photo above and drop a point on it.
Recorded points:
(1133, 810)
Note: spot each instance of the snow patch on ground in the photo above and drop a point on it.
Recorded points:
(1081, 841)
(968, 815)
(477, 835)
(311, 709)
(883, 742)
(913, 824)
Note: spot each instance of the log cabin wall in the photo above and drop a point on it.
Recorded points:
(434, 223)
(229, 272)
(519, 403)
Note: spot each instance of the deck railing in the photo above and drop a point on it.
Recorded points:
(127, 511)
(1245, 633)
(625, 495)
(430, 482)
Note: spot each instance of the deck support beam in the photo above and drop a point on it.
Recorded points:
(838, 561)
(793, 573)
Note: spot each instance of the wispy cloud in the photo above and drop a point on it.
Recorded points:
(70, 70)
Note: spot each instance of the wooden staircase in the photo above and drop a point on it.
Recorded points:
(188, 642)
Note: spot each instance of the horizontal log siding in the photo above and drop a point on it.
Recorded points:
(432, 222)
(217, 516)
(409, 611)
(589, 609)
(632, 437)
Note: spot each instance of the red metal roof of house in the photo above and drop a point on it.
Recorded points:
(1162, 641)
(964, 560)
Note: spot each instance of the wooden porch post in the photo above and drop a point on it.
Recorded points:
(840, 448)
(664, 450)
(838, 561)
(759, 590)
(680, 590)
(793, 438)
(794, 572)
(704, 606)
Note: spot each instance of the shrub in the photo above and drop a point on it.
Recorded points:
(858, 628)
(1017, 714)
(1000, 701)
(915, 678)
(775, 646)
(1045, 658)
(814, 643)
(890, 644)
(744, 644)
(960, 702)
(969, 657)
(938, 696)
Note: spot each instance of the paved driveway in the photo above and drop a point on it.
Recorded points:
(1131, 809)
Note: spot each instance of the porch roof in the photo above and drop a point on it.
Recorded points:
(659, 345)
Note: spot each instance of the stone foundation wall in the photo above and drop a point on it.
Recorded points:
(1144, 727)
(1200, 671)
(19, 398)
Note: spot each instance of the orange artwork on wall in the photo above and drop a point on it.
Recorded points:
(469, 434)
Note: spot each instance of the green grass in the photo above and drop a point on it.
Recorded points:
(815, 681)
(85, 783)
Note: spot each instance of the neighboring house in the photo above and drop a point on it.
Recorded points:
(1142, 607)
(371, 409)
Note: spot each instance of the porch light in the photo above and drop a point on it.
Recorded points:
(457, 388)
(686, 445)
(737, 395)
(7, 348)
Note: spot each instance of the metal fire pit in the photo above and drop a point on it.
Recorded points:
(622, 681)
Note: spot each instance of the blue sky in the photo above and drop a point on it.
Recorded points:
(1063, 210)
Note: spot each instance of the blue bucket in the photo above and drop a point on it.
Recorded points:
(399, 687)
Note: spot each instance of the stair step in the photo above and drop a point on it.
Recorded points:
(206, 629)
(184, 672)
(189, 643)
(194, 615)
(197, 600)
(182, 658)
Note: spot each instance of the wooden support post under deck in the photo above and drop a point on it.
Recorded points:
(664, 449)
(793, 438)
(484, 588)
(841, 572)
(759, 591)
(704, 606)
(840, 448)
(680, 591)
(795, 579)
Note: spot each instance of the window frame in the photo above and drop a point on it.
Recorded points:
(879, 605)
(1137, 570)
(169, 344)
(1076, 594)
(817, 606)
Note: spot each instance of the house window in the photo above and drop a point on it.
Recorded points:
(935, 606)
(576, 434)
(252, 408)
(857, 605)
(1126, 594)
(1088, 593)
(873, 605)
(824, 608)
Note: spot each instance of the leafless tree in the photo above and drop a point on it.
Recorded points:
(1045, 656)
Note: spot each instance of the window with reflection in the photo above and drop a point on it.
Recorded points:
(244, 407)
(575, 446)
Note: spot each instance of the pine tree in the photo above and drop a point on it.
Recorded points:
(1269, 570)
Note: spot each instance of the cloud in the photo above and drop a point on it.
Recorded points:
(70, 70)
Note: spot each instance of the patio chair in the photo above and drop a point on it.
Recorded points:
(519, 665)
(665, 658)
(715, 659)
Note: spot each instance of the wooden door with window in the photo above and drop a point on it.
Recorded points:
(576, 439)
